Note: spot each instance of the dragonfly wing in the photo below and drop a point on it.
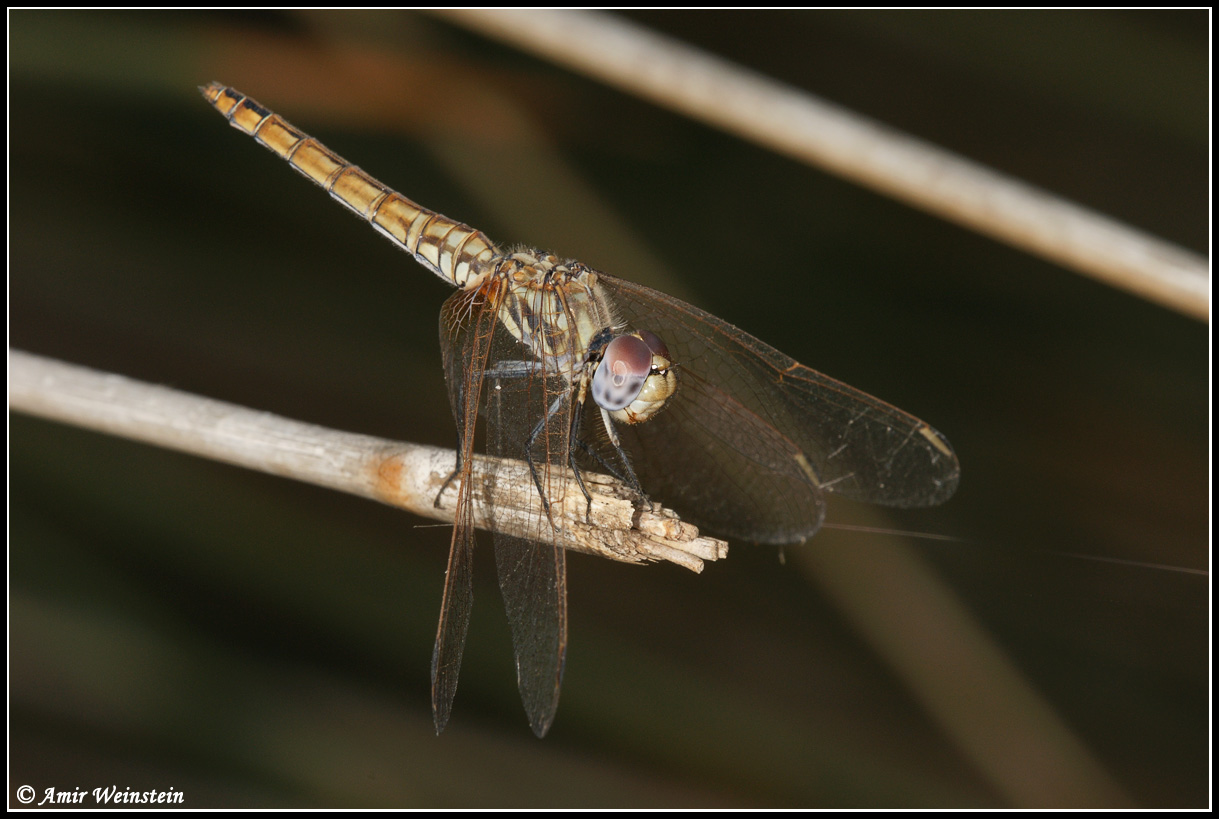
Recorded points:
(528, 418)
(467, 321)
(720, 466)
(533, 579)
(765, 435)
(454, 620)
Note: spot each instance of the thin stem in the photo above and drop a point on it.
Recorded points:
(804, 127)
(408, 476)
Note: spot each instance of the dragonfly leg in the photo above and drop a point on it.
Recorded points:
(625, 474)
(504, 369)
(630, 477)
(551, 411)
(521, 369)
(458, 413)
(448, 480)
(574, 441)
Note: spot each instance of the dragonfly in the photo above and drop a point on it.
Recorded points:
(570, 369)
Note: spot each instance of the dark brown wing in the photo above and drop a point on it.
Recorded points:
(753, 438)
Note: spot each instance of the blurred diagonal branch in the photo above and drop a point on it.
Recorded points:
(804, 127)
(408, 476)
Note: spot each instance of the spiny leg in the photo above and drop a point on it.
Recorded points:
(573, 441)
(533, 470)
(625, 474)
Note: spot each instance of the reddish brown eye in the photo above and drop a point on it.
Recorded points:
(654, 344)
(624, 367)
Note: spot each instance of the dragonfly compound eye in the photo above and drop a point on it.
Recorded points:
(635, 377)
(625, 365)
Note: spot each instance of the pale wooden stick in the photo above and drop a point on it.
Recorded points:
(812, 130)
(409, 476)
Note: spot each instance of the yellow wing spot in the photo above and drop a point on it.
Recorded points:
(936, 441)
(807, 468)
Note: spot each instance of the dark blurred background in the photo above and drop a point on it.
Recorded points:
(253, 642)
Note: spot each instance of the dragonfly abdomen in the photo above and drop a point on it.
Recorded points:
(456, 252)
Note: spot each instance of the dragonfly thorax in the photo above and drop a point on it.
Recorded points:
(553, 308)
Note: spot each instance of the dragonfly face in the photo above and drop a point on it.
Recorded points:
(731, 433)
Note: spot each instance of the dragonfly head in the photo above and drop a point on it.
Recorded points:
(634, 378)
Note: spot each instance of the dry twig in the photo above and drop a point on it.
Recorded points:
(408, 476)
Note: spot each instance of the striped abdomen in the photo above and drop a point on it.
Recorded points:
(449, 249)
